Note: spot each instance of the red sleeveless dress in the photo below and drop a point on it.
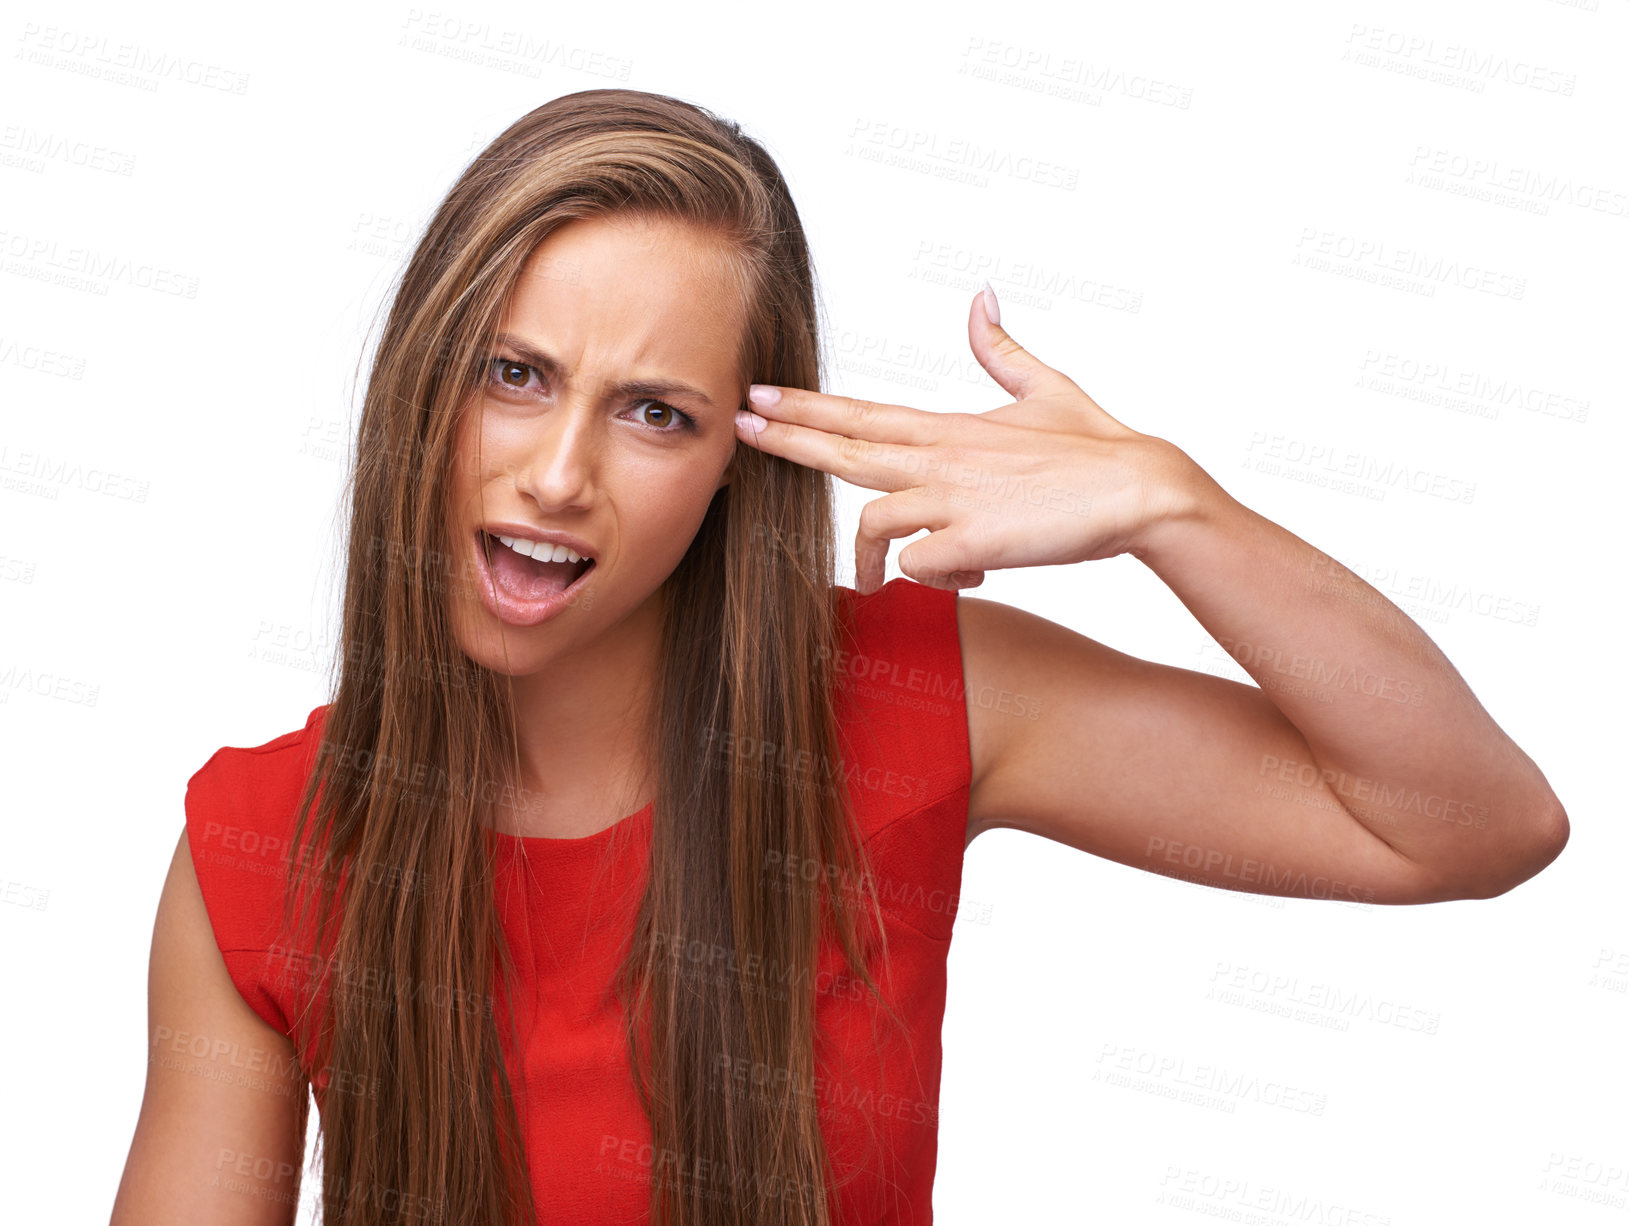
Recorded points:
(567, 907)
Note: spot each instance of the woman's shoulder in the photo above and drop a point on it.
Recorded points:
(902, 706)
(901, 621)
(241, 781)
(240, 807)
(900, 644)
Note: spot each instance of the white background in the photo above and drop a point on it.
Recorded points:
(172, 467)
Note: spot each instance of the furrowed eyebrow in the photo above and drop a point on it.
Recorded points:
(652, 389)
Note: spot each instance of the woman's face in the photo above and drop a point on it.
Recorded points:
(561, 441)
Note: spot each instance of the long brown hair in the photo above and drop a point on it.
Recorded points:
(390, 821)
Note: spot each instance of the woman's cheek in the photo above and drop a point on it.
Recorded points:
(670, 499)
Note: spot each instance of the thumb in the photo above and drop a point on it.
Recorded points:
(1019, 372)
(934, 561)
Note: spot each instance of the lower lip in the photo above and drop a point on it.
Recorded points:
(515, 612)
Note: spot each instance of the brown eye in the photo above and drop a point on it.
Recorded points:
(668, 420)
(509, 372)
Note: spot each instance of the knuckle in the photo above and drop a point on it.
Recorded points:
(859, 412)
(853, 450)
(1006, 347)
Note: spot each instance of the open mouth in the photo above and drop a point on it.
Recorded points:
(526, 578)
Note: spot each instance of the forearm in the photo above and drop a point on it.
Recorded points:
(1390, 725)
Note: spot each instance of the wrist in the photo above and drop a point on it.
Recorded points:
(1188, 502)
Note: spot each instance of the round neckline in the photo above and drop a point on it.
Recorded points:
(531, 843)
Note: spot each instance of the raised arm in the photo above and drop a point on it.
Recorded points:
(1362, 769)
(220, 1137)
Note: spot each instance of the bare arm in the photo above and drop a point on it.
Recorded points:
(220, 1137)
(1360, 766)
(1362, 769)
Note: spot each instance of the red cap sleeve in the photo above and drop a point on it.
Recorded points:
(904, 717)
(239, 819)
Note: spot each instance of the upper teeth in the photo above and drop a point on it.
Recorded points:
(541, 550)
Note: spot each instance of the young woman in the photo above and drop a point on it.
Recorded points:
(616, 882)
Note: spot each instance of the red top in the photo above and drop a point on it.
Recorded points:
(567, 907)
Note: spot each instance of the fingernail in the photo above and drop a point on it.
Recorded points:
(749, 421)
(763, 394)
(992, 308)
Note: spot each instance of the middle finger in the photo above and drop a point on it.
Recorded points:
(879, 446)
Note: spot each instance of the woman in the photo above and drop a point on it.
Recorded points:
(617, 879)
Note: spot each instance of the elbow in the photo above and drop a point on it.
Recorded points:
(1554, 832)
(1558, 831)
(1550, 838)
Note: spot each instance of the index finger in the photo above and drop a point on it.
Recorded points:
(879, 466)
(848, 416)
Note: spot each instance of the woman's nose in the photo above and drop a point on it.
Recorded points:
(563, 456)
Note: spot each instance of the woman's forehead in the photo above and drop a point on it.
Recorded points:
(659, 296)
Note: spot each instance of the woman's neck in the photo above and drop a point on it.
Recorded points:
(585, 736)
